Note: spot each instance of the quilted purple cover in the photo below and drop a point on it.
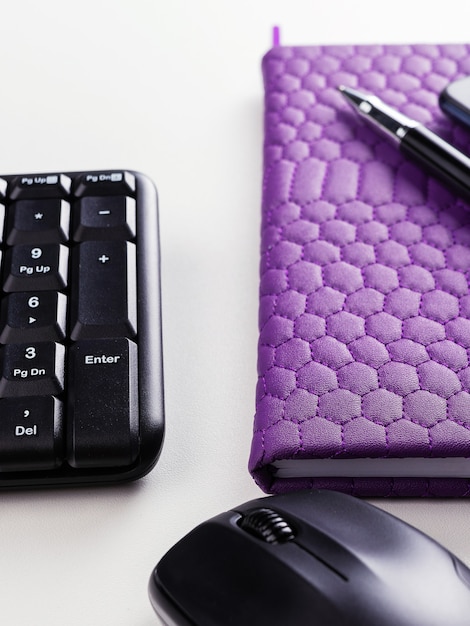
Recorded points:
(364, 300)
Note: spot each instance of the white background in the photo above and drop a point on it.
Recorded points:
(172, 89)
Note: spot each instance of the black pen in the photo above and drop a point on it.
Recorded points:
(415, 141)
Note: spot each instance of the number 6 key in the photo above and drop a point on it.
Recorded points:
(26, 316)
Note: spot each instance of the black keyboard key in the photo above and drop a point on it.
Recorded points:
(36, 267)
(105, 217)
(103, 426)
(40, 186)
(2, 220)
(38, 221)
(105, 184)
(28, 316)
(31, 433)
(35, 369)
(104, 300)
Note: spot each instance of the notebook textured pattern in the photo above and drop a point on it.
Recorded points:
(364, 302)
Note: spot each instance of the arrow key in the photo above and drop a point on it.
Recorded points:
(29, 316)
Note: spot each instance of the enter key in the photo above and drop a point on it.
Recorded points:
(103, 426)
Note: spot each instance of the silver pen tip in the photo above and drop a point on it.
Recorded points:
(388, 120)
(353, 96)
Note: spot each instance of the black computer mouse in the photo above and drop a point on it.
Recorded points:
(310, 557)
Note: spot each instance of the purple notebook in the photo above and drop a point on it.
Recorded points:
(364, 373)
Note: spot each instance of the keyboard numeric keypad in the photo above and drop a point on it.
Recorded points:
(75, 406)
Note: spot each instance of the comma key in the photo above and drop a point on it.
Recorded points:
(31, 433)
(103, 424)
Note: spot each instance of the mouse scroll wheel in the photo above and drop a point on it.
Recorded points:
(267, 525)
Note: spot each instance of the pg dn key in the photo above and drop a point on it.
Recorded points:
(35, 369)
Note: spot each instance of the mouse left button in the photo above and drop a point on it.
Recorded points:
(267, 525)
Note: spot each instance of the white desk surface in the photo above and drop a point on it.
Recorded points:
(172, 89)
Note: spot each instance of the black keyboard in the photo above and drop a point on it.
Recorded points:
(81, 382)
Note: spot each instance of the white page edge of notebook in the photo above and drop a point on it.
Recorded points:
(409, 467)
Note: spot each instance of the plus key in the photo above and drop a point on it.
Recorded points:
(104, 302)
